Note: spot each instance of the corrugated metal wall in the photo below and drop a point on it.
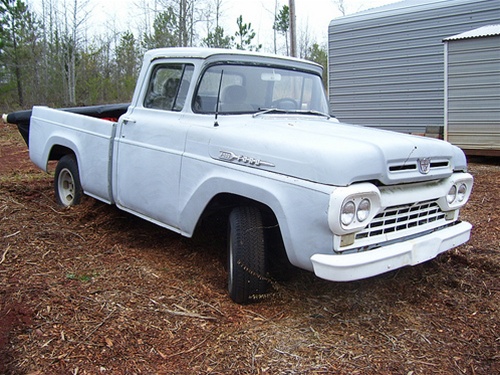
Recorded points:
(386, 64)
(473, 93)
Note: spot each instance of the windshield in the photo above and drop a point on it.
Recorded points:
(253, 89)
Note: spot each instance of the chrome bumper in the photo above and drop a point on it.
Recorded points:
(349, 267)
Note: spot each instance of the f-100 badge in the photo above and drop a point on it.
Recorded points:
(232, 157)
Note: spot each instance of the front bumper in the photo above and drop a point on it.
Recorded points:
(349, 267)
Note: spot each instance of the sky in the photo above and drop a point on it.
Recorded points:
(313, 15)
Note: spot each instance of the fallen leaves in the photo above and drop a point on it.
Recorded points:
(95, 290)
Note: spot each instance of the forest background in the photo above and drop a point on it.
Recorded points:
(56, 56)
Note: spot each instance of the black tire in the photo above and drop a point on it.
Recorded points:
(247, 263)
(67, 186)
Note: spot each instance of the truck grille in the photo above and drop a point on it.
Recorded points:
(400, 218)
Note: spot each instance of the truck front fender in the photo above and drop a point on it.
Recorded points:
(294, 206)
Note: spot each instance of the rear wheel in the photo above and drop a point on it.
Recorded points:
(67, 186)
(247, 263)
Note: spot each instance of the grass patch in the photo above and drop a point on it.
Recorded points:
(84, 278)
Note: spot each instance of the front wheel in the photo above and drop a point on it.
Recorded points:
(67, 186)
(247, 263)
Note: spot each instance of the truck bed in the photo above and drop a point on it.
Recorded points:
(53, 132)
(108, 111)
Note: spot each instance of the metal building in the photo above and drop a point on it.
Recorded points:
(386, 65)
(472, 90)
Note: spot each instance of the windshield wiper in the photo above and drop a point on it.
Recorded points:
(313, 112)
(263, 111)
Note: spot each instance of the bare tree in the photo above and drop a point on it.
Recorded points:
(216, 37)
(75, 17)
(212, 14)
(304, 41)
(340, 6)
(345, 7)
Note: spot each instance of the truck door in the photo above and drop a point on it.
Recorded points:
(150, 145)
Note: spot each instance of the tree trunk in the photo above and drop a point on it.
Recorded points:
(293, 37)
(17, 72)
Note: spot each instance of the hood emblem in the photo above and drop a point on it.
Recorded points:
(424, 165)
(231, 156)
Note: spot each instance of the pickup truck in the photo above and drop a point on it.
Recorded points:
(250, 136)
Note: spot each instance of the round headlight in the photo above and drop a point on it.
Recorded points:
(452, 194)
(462, 191)
(347, 213)
(363, 210)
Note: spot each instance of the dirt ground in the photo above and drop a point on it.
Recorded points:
(93, 290)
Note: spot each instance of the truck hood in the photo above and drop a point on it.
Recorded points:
(328, 152)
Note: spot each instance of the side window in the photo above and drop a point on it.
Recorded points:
(168, 87)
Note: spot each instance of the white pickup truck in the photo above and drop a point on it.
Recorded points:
(250, 136)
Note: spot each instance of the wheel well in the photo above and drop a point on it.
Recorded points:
(216, 215)
(221, 205)
(57, 152)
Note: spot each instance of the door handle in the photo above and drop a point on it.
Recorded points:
(128, 120)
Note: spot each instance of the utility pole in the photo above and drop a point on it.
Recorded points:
(293, 37)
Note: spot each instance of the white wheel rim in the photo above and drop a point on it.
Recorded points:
(66, 187)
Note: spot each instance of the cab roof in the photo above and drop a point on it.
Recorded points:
(206, 53)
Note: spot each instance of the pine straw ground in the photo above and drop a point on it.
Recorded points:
(93, 290)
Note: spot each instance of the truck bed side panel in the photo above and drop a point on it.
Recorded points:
(89, 138)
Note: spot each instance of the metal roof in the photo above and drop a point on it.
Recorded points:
(397, 8)
(490, 30)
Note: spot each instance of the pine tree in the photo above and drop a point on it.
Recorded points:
(245, 35)
(18, 48)
(282, 24)
(217, 39)
(165, 31)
